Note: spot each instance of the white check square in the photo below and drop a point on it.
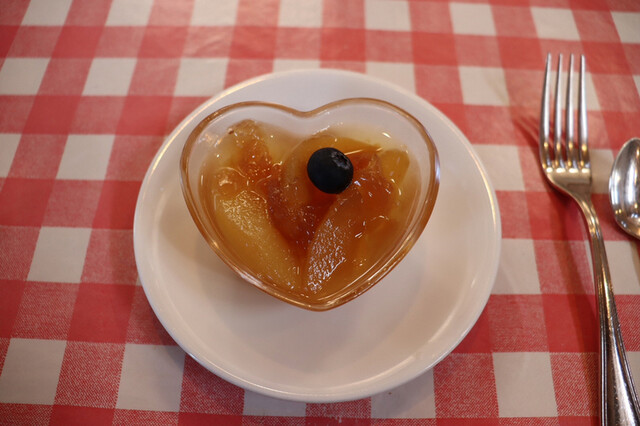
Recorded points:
(392, 15)
(22, 76)
(524, 384)
(211, 13)
(47, 13)
(415, 399)
(628, 26)
(200, 77)
(300, 13)
(256, 404)
(517, 271)
(483, 86)
(472, 19)
(31, 371)
(399, 74)
(129, 12)
(503, 166)
(109, 77)
(85, 157)
(52, 264)
(624, 264)
(554, 23)
(151, 378)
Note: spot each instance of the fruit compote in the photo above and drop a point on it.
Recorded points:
(261, 201)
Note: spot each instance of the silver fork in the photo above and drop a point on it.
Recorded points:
(565, 162)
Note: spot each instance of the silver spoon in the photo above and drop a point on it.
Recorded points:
(624, 187)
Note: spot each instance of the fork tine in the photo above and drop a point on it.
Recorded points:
(545, 156)
(572, 153)
(582, 117)
(557, 132)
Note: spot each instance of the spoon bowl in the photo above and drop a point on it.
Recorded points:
(624, 187)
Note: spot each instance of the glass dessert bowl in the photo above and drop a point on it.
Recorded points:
(312, 207)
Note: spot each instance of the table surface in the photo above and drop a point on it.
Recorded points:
(89, 89)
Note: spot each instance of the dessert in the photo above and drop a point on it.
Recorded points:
(269, 197)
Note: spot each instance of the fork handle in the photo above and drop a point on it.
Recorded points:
(619, 401)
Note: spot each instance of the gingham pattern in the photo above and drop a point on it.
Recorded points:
(88, 90)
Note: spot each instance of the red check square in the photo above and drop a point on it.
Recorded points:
(606, 58)
(72, 203)
(208, 42)
(38, 156)
(180, 108)
(65, 76)
(454, 376)
(52, 114)
(77, 42)
(131, 156)
(596, 25)
(110, 257)
(264, 13)
(78, 416)
(571, 321)
(501, 132)
(144, 327)
(25, 414)
(14, 111)
(140, 417)
(342, 44)
(12, 14)
(341, 14)
(388, 46)
(45, 311)
(298, 43)
(163, 42)
(554, 216)
(253, 43)
(90, 375)
(520, 53)
(473, 50)
(514, 213)
(23, 201)
(7, 34)
(575, 379)
(120, 42)
(33, 41)
(88, 12)
(101, 313)
(200, 419)
(438, 84)
(154, 76)
(632, 52)
(517, 323)
(203, 392)
(514, 21)
(434, 49)
(620, 127)
(430, 17)
(563, 267)
(10, 297)
(144, 115)
(17, 245)
(239, 70)
(97, 115)
(616, 92)
(629, 313)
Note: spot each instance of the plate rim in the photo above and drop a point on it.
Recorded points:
(319, 397)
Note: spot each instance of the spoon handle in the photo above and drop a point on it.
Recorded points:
(619, 401)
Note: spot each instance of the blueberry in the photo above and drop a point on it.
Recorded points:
(330, 170)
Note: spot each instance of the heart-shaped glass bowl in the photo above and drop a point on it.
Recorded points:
(355, 117)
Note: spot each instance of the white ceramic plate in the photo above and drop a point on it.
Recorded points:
(396, 331)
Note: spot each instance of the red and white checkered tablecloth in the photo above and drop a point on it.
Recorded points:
(89, 89)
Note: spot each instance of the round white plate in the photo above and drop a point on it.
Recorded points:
(399, 329)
